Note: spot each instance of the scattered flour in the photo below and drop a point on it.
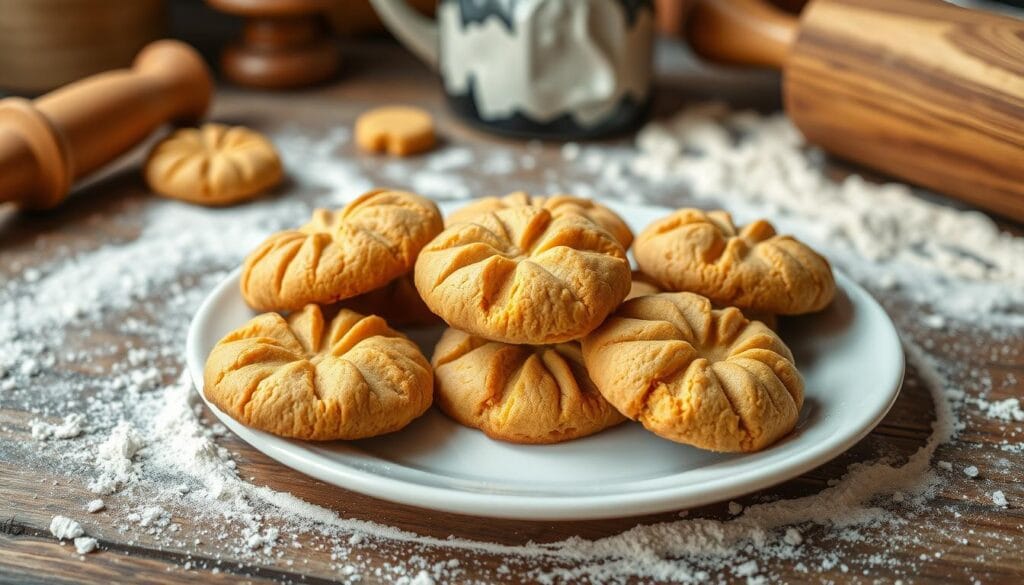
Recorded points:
(85, 544)
(114, 459)
(999, 499)
(149, 447)
(65, 528)
(71, 427)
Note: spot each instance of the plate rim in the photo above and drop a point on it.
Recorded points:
(546, 507)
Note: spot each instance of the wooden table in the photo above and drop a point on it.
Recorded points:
(31, 493)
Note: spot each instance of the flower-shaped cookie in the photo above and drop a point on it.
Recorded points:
(691, 374)
(556, 204)
(750, 268)
(213, 165)
(523, 275)
(519, 393)
(340, 254)
(305, 378)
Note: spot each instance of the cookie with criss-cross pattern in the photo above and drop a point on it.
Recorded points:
(751, 267)
(340, 254)
(307, 377)
(524, 275)
(697, 375)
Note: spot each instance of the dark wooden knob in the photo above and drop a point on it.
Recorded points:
(46, 144)
(284, 44)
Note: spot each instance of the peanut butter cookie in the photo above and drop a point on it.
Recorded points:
(340, 254)
(692, 374)
(306, 378)
(396, 130)
(523, 275)
(751, 268)
(519, 393)
(213, 165)
(556, 204)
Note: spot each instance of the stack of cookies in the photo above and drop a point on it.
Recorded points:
(328, 371)
(550, 335)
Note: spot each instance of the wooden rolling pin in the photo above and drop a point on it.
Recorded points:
(47, 144)
(920, 89)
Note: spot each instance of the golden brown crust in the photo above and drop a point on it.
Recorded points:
(520, 275)
(305, 378)
(339, 255)
(691, 374)
(519, 393)
(397, 302)
(396, 130)
(751, 268)
(556, 204)
(213, 165)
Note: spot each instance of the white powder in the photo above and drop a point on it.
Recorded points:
(114, 458)
(793, 537)
(149, 449)
(71, 427)
(65, 528)
(999, 499)
(85, 545)
(1008, 410)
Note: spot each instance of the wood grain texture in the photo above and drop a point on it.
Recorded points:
(919, 89)
(977, 541)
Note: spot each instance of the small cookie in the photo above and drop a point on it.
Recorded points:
(396, 130)
(522, 275)
(306, 378)
(750, 268)
(641, 285)
(340, 254)
(696, 375)
(556, 204)
(213, 165)
(519, 393)
(398, 302)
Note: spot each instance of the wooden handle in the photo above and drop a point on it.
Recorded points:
(47, 144)
(742, 32)
(923, 90)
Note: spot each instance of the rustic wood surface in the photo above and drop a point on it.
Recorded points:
(977, 540)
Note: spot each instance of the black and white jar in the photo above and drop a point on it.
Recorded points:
(555, 69)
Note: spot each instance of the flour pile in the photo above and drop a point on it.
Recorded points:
(132, 430)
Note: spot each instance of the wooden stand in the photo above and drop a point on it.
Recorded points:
(285, 43)
(62, 136)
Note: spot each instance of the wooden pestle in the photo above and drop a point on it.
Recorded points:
(48, 143)
(920, 89)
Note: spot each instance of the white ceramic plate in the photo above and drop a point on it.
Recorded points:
(850, 357)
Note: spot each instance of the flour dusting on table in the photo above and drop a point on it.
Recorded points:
(133, 430)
